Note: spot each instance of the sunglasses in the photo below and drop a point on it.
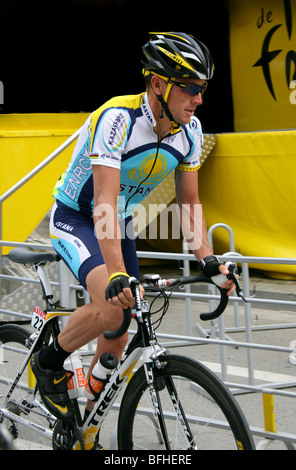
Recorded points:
(190, 88)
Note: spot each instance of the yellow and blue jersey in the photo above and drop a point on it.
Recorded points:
(120, 134)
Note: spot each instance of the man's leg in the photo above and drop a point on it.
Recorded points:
(91, 320)
(97, 277)
(84, 325)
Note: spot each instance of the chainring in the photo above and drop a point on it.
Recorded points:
(65, 435)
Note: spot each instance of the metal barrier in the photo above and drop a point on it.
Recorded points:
(32, 173)
(217, 334)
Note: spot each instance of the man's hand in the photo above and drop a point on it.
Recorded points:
(228, 283)
(118, 292)
(211, 267)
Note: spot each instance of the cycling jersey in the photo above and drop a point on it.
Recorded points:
(120, 134)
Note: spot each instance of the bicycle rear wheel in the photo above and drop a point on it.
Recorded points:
(198, 411)
(23, 401)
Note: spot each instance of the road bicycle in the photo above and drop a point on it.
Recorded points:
(170, 402)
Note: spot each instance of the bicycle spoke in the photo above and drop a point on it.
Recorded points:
(25, 416)
(180, 413)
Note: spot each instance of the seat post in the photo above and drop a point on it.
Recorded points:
(45, 284)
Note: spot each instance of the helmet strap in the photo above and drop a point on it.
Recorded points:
(165, 108)
(163, 102)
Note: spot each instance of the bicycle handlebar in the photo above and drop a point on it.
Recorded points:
(223, 294)
(127, 317)
(155, 282)
(160, 284)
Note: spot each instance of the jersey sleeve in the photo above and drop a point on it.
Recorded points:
(195, 138)
(109, 135)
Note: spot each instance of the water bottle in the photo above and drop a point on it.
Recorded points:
(99, 375)
(76, 383)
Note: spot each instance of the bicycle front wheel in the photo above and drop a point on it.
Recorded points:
(197, 411)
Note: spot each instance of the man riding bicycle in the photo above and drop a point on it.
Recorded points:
(125, 148)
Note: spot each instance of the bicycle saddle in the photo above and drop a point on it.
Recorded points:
(25, 256)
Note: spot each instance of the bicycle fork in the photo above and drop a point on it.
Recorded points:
(156, 384)
(154, 389)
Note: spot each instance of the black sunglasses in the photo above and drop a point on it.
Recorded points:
(190, 88)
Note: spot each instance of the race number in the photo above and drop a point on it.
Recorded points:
(38, 318)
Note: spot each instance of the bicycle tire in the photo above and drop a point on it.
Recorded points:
(204, 393)
(14, 333)
(23, 401)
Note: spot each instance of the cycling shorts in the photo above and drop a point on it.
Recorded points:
(73, 237)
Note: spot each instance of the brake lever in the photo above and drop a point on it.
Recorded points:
(233, 276)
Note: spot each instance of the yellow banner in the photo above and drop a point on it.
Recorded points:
(257, 196)
(263, 63)
(25, 141)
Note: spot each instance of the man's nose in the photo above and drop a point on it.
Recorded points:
(197, 99)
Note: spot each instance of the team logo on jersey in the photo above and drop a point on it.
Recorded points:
(152, 170)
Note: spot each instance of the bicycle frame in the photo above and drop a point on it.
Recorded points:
(115, 384)
(143, 344)
(108, 396)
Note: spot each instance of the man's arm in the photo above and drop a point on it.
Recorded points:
(192, 219)
(106, 191)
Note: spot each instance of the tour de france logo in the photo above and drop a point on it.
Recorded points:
(268, 55)
(151, 171)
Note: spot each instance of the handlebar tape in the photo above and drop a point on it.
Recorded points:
(127, 317)
(219, 310)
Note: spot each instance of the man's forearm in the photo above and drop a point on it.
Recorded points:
(194, 229)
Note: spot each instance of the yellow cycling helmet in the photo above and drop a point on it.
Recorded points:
(177, 55)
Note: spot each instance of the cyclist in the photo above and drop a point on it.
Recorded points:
(125, 148)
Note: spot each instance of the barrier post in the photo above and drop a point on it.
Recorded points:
(268, 410)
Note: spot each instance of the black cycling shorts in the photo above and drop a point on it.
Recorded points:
(73, 236)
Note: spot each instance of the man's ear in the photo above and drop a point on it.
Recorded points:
(157, 84)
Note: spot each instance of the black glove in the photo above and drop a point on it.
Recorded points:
(209, 266)
(117, 282)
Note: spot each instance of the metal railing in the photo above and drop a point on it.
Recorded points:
(67, 287)
(218, 333)
(32, 173)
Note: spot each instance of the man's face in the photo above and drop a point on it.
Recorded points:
(181, 105)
